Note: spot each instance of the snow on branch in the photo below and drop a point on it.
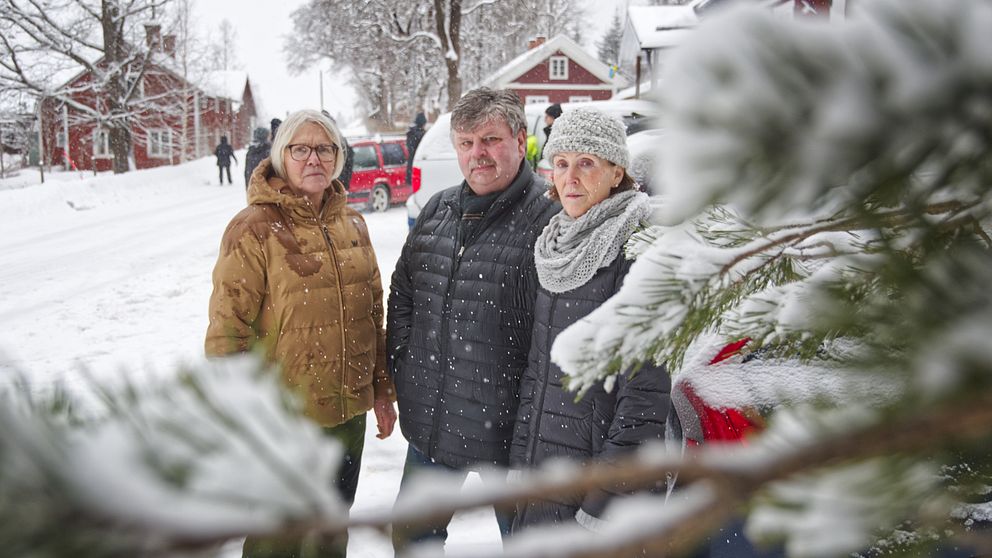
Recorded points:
(835, 156)
(772, 116)
(217, 452)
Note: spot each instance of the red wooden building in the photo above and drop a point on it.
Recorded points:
(172, 120)
(556, 71)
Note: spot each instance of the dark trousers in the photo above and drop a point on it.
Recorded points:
(221, 169)
(404, 535)
(351, 434)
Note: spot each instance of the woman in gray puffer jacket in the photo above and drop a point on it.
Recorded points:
(580, 264)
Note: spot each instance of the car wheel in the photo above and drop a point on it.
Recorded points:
(379, 199)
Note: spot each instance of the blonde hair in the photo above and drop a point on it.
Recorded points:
(288, 129)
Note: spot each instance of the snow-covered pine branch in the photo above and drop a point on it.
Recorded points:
(827, 142)
(216, 452)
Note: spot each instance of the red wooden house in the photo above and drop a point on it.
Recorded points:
(556, 71)
(172, 120)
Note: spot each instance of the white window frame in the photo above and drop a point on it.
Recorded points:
(579, 98)
(558, 67)
(536, 99)
(101, 143)
(159, 143)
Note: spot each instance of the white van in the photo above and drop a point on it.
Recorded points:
(435, 166)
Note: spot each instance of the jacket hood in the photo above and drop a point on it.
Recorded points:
(266, 187)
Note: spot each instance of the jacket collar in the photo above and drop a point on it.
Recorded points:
(266, 187)
(513, 193)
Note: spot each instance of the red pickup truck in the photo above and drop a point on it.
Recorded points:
(378, 176)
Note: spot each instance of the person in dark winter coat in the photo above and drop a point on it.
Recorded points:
(550, 115)
(413, 137)
(349, 163)
(224, 153)
(461, 300)
(580, 264)
(257, 151)
(260, 148)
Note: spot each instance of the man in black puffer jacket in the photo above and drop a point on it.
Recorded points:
(461, 301)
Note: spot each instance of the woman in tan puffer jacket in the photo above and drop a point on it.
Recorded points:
(297, 279)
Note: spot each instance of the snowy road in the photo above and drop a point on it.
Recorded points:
(112, 274)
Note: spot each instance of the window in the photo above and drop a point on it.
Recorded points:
(558, 67)
(536, 99)
(579, 98)
(392, 154)
(101, 143)
(365, 158)
(159, 143)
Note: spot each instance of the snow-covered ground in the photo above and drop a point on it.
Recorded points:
(111, 274)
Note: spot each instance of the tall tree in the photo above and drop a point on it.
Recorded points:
(225, 47)
(41, 43)
(608, 47)
(443, 45)
(448, 26)
(192, 63)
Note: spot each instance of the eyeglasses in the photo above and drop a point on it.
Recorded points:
(325, 151)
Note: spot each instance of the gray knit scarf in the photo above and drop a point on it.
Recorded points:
(570, 251)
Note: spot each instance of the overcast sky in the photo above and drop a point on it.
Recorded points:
(261, 27)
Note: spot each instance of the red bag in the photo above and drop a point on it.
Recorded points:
(716, 425)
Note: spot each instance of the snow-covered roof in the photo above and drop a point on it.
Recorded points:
(523, 63)
(661, 26)
(227, 84)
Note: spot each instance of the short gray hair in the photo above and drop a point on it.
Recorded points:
(288, 129)
(482, 105)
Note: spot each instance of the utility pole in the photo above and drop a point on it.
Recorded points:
(2, 172)
(41, 143)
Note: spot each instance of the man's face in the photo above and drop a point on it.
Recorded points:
(489, 156)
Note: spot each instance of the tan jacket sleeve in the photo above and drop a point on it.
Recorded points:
(239, 282)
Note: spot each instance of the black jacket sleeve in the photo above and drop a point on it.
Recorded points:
(400, 303)
(642, 407)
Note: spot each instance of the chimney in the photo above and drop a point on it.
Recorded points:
(153, 33)
(169, 45)
(536, 42)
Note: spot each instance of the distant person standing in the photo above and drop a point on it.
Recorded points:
(413, 137)
(260, 148)
(225, 153)
(550, 115)
(535, 147)
(349, 163)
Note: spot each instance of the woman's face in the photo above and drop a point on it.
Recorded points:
(311, 176)
(582, 180)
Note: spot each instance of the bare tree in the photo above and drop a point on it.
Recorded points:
(405, 54)
(192, 62)
(224, 47)
(41, 43)
(608, 47)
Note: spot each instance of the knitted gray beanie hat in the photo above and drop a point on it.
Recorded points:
(586, 130)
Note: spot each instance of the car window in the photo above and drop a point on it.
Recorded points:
(392, 154)
(365, 158)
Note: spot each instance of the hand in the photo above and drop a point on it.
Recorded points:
(385, 416)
